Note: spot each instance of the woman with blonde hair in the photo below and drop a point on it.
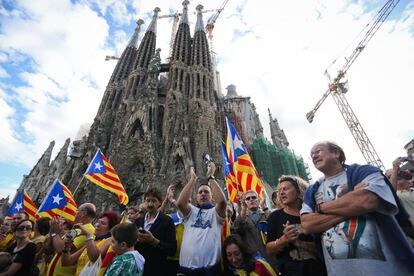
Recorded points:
(294, 251)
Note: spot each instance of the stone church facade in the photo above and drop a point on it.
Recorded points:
(155, 120)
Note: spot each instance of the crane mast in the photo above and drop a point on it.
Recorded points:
(338, 90)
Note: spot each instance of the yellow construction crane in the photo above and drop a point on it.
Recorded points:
(209, 29)
(337, 88)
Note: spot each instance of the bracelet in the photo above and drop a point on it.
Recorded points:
(91, 238)
(318, 208)
(211, 177)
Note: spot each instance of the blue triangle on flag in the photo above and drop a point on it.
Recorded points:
(97, 164)
(238, 146)
(226, 164)
(54, 199)
(17, 206)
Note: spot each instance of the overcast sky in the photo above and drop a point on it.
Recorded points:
(53, 73)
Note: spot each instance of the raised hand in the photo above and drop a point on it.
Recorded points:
(211, 169)
(192, 174)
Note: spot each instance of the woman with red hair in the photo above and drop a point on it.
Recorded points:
(95, 245)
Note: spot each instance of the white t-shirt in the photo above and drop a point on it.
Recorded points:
(201, 245)
(357, 245)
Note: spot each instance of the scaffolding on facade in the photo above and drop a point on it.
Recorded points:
(272, 162)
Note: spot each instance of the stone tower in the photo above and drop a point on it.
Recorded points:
(155, 120)
(277, 134)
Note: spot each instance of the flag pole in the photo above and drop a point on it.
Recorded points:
(87, 169)
(77, 187)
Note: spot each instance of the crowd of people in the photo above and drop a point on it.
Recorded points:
(354, 220)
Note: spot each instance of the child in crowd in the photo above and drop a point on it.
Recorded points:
(128, 260)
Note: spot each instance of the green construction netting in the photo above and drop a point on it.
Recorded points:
(272, 162)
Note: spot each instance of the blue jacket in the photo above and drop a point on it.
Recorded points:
(396, 239)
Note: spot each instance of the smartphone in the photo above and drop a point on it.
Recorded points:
(72, 234)
(142, 231)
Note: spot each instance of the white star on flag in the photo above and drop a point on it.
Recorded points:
(238, 144)
(57, 199)
(98, 166)
(18, 206)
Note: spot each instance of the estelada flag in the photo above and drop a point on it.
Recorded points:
(23, 203)
(58, 202)
(230, 178)
(246, 174)
(101, 172)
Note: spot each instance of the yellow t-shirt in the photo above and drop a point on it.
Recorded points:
(84, 259)
(8, 239)
(179, 231)
(55, 267)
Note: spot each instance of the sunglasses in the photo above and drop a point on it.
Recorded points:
(251, 198)
(23, 227)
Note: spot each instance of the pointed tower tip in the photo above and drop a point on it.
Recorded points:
(156, 11)
(184, 16)
(134, 39)
(199, 8)
(51, 145)
(153, 25)
(199, 25)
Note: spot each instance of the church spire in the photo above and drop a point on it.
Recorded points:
(182, 41)
(184, 16)
(199, 25)
(277, 134)
(134, 39)
(153, 25)
(147, 47)
(270, 115)
(201, 53)
(123, 67)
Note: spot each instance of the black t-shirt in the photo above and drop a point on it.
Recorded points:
(275, 224)
(26, 257)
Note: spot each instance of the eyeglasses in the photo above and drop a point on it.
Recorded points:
(251, 198)
(23, 227)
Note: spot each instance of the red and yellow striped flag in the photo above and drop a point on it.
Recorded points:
(230, 178)
(101, 172)
(29, 206)
(67, 211)
(23, 203)
(246, 174)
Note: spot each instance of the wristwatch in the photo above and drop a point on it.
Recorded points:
(53, 235)
(211, 177)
